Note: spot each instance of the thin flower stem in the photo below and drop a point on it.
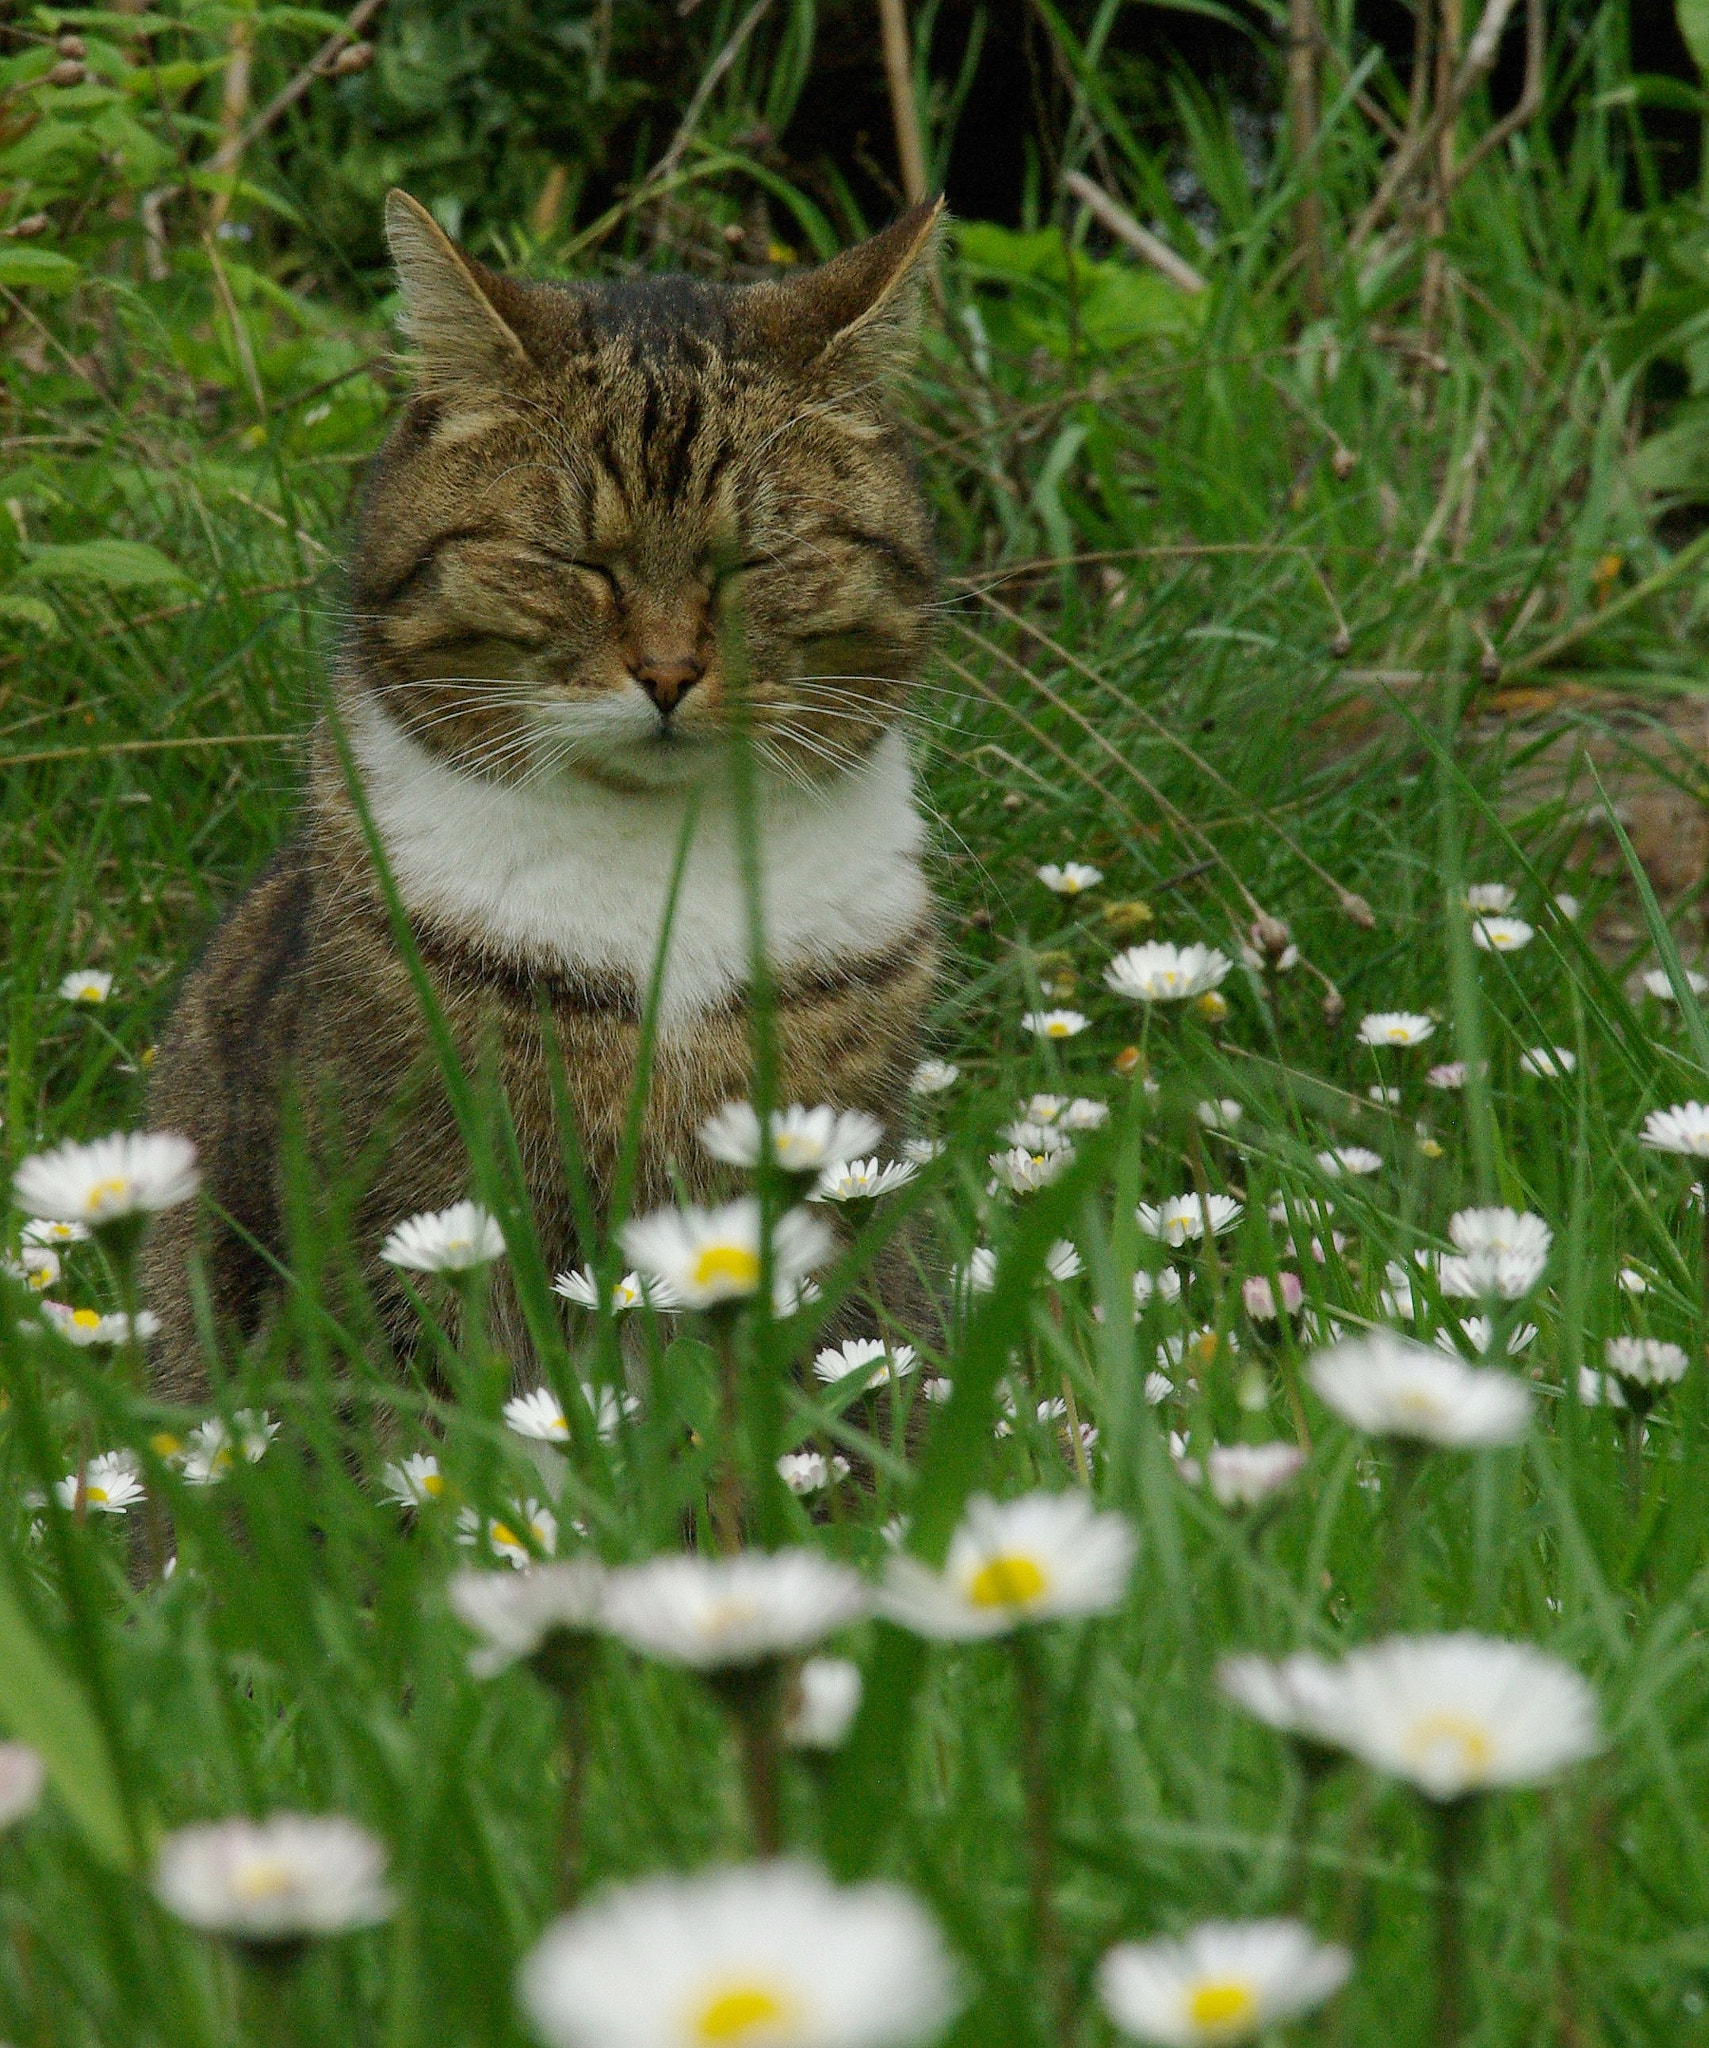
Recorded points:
(1408, 1463)
(1039, 1795)
(728, 1492)
(1703, 1187)
(1202, 1190)
(571, 1851)
(1634, 1461)
(1454, 1821)
(268, 1975)
(756, 1701)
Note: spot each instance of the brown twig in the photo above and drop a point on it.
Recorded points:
(703, 92)
(904, 109)
(1304, 37)
(229, 153)
(1125, 228)
(105, 747)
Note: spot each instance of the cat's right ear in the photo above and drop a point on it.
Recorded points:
(452, 313)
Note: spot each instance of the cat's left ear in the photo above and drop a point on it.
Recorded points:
(858, 315)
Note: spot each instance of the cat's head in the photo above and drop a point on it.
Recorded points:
(615, 518)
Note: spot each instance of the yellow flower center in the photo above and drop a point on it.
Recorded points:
(457, 1244)
(1464, 1740)
(432, 1484)
(1419, 1405)
(103, 1192)
(265, 1878)
(86, 1318)
(1056, 1029)
(165, 1445)
(740, 2012)
(1007, 1582)
(96, 1495)
(732, 1264)
(1397, 1034)
(1220, 2006)
(502, 1534)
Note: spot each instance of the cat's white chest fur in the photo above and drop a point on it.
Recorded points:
(576, 875)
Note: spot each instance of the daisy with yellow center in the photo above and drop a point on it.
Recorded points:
(1054, 1023)
(414, 1481)
(727, 1613)
(1225, 1981)
(771, 1955)
(86, 985)
(1160, 973)
(1044, 1557)
(454, 1240)
(103, 1183)
(708, 1257)
(278, 1879)
(108, 1485)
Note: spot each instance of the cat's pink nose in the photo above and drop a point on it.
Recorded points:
(668, 679)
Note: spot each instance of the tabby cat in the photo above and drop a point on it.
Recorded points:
(608, 513)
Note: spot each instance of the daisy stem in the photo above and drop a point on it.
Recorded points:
(1202, 1190)
(1408, 1462)
(1703, 1186)
(1082, 1470)
(1634, 1461)
(727, 1491)
(268, 1975)
(1030, 1697)
(1454, 1821)
(573, 1721)
(757, 1704)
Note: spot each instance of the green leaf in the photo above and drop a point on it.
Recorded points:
(40, 1705)
(29, 611)
(1694, 30)
(105, 564)
(44, 268)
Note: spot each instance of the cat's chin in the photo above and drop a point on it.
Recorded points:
(663, 761)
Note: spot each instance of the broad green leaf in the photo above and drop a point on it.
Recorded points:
(46, 269)
(40, 1705)
(1693, 18)
(28, 611)
(105, 564)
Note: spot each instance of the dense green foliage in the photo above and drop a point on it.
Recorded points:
(1259, 607)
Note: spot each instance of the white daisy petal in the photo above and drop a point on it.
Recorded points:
(1389, 1386)
(1043, 1557)
(1161, 973)
(277, 1879)
(124, 1175)
(719, 1613)
(453, 1240)
(1225, 1981)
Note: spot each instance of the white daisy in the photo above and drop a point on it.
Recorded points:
(822, 1703)
(718, 1613)
(769, 1955)
(922, 1151)
(212, 1449)
(1165, 1285)
(1040, 1558)
(1063, 1261)
(1448, 1077)
(810, 1471)
(86, 985)
(1396, 1298)
(1644, 1364)
(1158, 1389)
(1024, 1173)
(1225, 1981)
(1657, 984)
(1070, 878)
(1454, 1714)
(54, 1230)
(1568, 906)
(1294, 1696)
(1395, 1027)
(709, 1256)
(22, 1778)
(1160, 973)
(870, 1356)
(1243, 1475)
(413, 1481)
(1598, 1389)
(979, 1275)
(1389, 1386)
(1548, 1062)
(128, 1174)
(1683, 1129)
(802, 1140)
(863, 1180)
(278, 1879)
(516, 1614)
(1354, 1159)
(1490, 898)
(1500, 934)
(36, 1266)
(85, 1326)
(932, 1077)
(1479, 1333)
(110, 1484)
(581, 1286)
(1184, 1216)
(453, 1240)
(1264, 1303)
(1036, 1135)
(1502, 1254)
(528, 1531)
(1221, 1115)
(1385, 1098)
(1054, 1023)
(538, 1415)
(1631, 1281)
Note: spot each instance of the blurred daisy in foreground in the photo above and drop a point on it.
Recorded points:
(213, 1449)
(1054, 1023)
(718, 1613)
(454, 1240)
(1630, 1280)
(1165, 1285)
(1683, 1129)
(1043, 1557)
(126, 1175)
(805, 1472)
(1244, 1475)
(932, 1077)
(528, 1531)
(1479, 1335)
(1548, 1062)
(1024, 1173)
(279, 1879)
(822, 1703)
(1657, 983)
(36, 1266)
(413, 1481)
(1384, 1097)
(581, 1286)
(1395, 1027)
(869, 1356)
(803, 1140)
(1353, 1159)
(23, 1776)
(87, 1326)
(1501, 1254)
(1160, 973)
(1070, 878)
(517, 1614)
(1225, 1981)
(1447, 1077)
(1185, 1216)
(1490, 898)
(710, 1256)
(770, 1955)
(1222, 1114)
(110, 1484)
(1645, 1367)
(1389, 1386)
(1501, 934)
(863, 1180)
(86, 985)
(53, 1230)
(1260, 1297)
